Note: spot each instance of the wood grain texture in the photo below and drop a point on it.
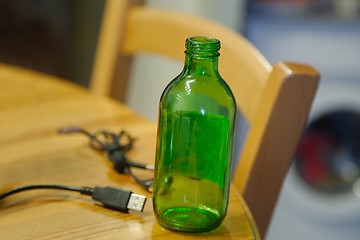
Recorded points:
(32, 107)
(273, 137)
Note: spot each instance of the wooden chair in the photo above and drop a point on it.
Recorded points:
(275, 100)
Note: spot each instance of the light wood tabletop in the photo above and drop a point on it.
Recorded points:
(33, 107)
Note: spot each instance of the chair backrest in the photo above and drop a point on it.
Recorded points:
(275, 100)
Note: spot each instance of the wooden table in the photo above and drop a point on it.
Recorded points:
(32, 107)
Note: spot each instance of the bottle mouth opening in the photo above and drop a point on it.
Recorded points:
(202, 46)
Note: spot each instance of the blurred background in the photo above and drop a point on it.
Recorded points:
(321, 195)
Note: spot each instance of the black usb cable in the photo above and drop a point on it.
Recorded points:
(116, 145)
(110, 197)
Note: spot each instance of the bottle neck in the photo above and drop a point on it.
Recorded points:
(205, 66)
(202, 55)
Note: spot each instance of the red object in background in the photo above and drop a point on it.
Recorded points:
(312, 152)
(328, 155)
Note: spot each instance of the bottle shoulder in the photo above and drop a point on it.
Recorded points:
(214, 86)
(195, 93)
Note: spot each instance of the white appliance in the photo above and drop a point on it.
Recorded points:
(306, 212)
(309, 208)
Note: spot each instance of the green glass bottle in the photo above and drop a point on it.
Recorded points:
(195, 139)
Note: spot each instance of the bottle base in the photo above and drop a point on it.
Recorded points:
(189, 219)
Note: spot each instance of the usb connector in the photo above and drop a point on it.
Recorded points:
(110, 197)
(118, 199)
(136, 202)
